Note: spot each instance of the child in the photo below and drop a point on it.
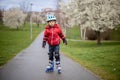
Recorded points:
(52, 36)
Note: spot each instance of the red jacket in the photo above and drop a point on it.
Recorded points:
(53, 34)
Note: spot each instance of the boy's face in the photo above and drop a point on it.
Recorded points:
(51, 23)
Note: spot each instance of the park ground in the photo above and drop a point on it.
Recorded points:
(103, 60)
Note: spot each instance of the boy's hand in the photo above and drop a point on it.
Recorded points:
(43, 44)
(65, 41)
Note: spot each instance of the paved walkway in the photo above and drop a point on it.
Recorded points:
(30, 64)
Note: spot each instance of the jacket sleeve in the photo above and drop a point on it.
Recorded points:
(62, 36)
(45, 38)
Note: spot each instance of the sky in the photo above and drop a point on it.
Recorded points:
(37, 4)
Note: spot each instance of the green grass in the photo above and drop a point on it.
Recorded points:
(13, 41)
(103, 60)
(73, 33)
(116, 34)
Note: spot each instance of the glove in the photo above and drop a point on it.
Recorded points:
(43, 44)
(65, 41)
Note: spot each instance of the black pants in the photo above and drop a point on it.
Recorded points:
(54, 53)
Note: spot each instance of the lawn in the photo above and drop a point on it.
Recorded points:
(103, 60)
(73, 33)
(12, 41)
(116, 34)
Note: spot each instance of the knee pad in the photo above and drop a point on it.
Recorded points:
(50, 56)
(56, 54)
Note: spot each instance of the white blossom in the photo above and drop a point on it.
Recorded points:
(13, 18)
(96, 14)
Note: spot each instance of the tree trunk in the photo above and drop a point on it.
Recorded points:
(84, 34)
(81, 32)
(38, 25)
(98, 37)
(17, 27)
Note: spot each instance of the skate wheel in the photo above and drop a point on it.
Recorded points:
(47, 71)
(59, 71)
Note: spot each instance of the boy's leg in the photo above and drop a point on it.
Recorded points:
(50, 66)
(50, 54)
(57, 57)
(57, 54)
(51, 62)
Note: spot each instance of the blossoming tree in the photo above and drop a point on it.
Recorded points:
(13, 18)
(98, 15)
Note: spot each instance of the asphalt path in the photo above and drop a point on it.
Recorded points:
(30, 64)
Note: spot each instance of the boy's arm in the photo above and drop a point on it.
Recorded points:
(63, 37)
(45, 38)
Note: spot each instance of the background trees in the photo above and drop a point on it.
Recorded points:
(98, 15)
(13, 18)
(1, 16)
